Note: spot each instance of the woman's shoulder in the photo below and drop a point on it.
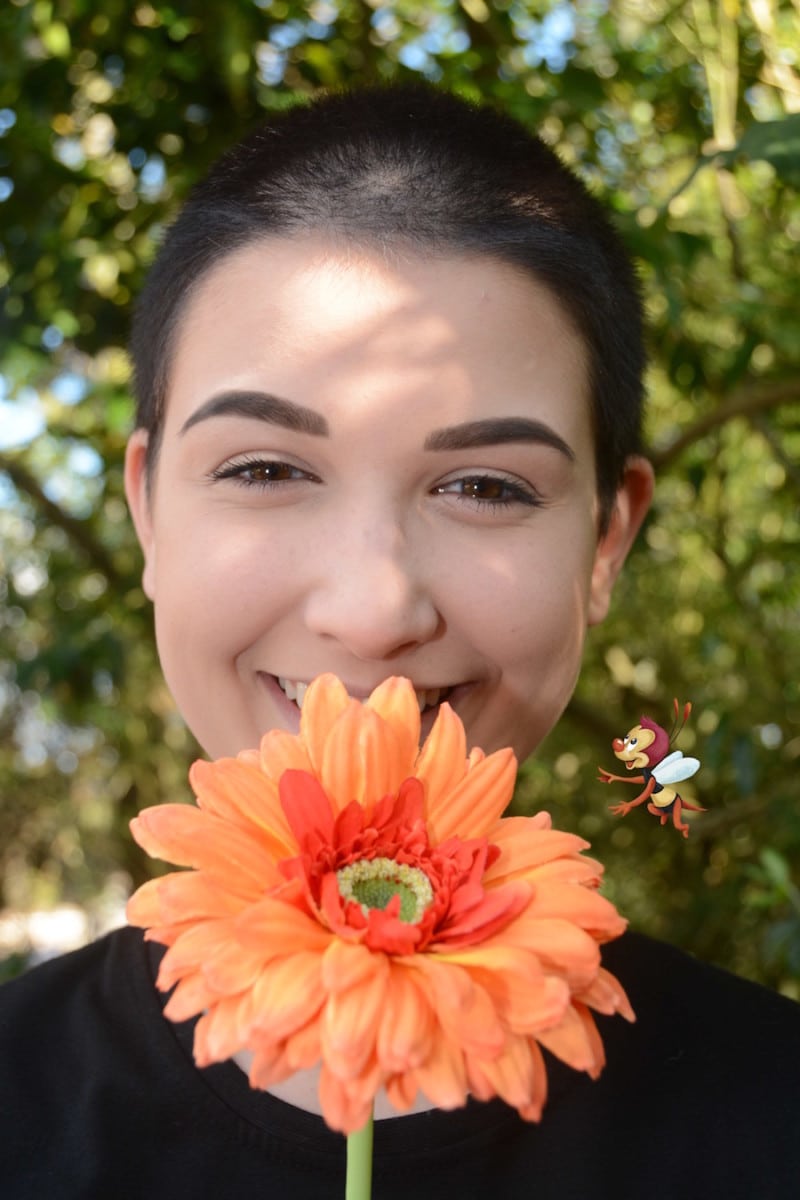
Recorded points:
(58, 987)
(88, 1067)
(661, 979)
(65, 1013)
(703, 1039)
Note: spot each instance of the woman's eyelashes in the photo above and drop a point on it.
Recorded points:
(482, 492)
(490, 491)
(263, 473)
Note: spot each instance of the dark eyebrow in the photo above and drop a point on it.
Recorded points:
(260, 406)
(497, 431)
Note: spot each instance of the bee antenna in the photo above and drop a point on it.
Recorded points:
(679, 720)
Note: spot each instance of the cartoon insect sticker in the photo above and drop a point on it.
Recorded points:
(646, 746)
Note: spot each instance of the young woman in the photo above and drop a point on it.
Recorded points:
(388, 366)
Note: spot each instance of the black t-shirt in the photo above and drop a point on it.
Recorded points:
(100, 1100)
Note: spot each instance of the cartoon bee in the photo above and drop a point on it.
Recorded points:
(646, 746)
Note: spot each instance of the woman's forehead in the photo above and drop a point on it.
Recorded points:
(308, 315)
(321, 280)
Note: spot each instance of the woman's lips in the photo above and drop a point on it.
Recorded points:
(290, 713)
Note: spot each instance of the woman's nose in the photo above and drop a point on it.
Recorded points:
(371, 595)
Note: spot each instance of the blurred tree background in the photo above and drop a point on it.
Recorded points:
(685, 116)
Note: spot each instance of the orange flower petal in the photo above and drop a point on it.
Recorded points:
(342, 1111)
(442, 761)
(576, 1041)
(238, 791)
(386, 762)
(443, 1077)
(606, 994)
(517, 1076)
(583, 906)
(511, 1074)
(232, 968)
(395, 702)
(350, 1023)
(569, 952)
(286, 996)
(144, 906)
(524, 849)
(189, 837)
(191, 950)
(361, 760)
(407, 1024)
(402, 1091)
(324, 702)
(585, 872)
(191, 996)
(178, 897)
(526, 999)
(463, 1008)
(532, 1111)
(270, 1065)
(280, 751)
(304, 1047)
(475, 804)
(218, 1034)
(346, 964)
(276, 929)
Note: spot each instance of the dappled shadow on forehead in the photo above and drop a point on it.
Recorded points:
(281, 325)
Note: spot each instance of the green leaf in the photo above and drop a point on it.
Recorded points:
(776, 867)
(775, 142)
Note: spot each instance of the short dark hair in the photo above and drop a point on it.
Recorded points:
(416, 167)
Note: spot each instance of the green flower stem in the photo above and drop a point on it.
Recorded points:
(359, 1163)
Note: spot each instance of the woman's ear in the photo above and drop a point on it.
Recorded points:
(630, 508)
(139, 502)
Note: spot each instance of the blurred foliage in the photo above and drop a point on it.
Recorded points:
(685, 116)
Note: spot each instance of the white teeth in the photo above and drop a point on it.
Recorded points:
(426, 698)
(294, 691)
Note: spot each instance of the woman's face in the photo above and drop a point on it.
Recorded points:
(374, 467)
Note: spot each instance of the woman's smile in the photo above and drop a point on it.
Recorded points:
(427, 697)
(293, 691)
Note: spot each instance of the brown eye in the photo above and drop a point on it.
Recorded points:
(261, 473)
(486, 489)
(491, 491)
(273, 472)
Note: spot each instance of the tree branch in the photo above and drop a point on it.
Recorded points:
(76, 530)
(742, 404)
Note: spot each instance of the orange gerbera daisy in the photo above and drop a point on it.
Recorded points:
(359, 902)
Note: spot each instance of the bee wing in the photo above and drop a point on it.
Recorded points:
(675, 768)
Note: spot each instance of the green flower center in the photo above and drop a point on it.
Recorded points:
(373, 882)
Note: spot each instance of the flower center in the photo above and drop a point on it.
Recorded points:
(374, 882)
